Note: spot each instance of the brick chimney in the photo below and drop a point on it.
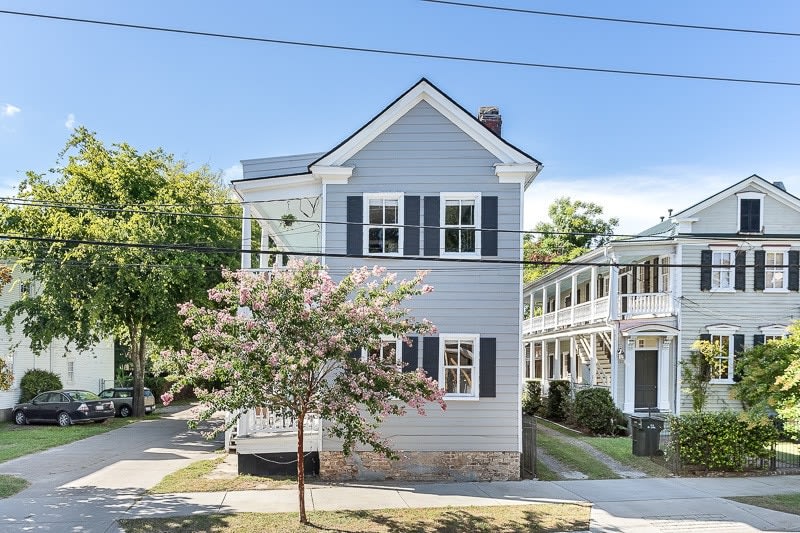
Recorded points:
(490, 117)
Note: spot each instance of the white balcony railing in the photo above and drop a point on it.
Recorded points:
(653, 303)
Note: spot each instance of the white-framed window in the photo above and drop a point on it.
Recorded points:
(722, 339)
(460, 220)
(459, 355)
(774, 332)
(776, 269)
(663, 273)
(528, 361)
(70, 371)
(389, 351)
(383, 232)
(723, 276)
(25, 288)
(751, 212)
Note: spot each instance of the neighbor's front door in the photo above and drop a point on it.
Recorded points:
(646, 379)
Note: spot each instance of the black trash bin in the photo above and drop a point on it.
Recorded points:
(646, 435)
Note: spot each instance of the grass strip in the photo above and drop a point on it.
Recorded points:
(574, 457)
(787, 503)
(618, 448)
(195, 478)
(543, 517)
(543, 473)
(10, 485)
(16, 441)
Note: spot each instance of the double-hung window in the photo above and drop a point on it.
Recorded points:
(460, 223)
(776, 270)
(388, 352)
(384, 216)
(722, 360)
(459, 357)
(722, 269)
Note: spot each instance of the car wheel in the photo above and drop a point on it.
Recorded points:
(19, 418)
(125, 411)
(63, 419)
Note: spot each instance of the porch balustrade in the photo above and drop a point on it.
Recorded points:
(653, 303)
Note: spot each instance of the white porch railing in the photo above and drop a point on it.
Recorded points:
(653, 303)
(592, 311)
(262, 422)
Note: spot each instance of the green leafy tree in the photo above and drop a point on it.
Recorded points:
(770, 378)
(575, 227)
(116, 194)
(292, 351)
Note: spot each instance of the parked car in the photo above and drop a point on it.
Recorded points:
(123, 399)
(64, 407)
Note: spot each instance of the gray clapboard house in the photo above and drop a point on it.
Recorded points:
(423, 180)
(627, 315)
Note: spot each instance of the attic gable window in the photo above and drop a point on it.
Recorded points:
(751, 212)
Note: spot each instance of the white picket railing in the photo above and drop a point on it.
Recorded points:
(652, 303)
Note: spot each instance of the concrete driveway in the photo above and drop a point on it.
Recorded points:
(86, 485)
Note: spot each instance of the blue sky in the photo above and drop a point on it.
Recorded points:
(637, 146)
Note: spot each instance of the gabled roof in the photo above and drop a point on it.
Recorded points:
(424, 90)
(775, 191)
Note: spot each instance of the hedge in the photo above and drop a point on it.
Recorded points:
(595, 410)
(35, 381)
(532, 398)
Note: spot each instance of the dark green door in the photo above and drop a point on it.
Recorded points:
(646, 379)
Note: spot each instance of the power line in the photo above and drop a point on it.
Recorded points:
(613, 19)
(383, 51)
(417, 258)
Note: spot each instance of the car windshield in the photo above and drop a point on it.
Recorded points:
(83, 395)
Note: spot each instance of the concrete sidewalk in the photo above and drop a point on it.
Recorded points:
(636, 505)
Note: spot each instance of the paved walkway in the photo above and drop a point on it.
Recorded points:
(88, 485)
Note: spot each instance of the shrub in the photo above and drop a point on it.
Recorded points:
(532, 398)
(558, 400)
(35, 381)
(595, 410)
(718, 441)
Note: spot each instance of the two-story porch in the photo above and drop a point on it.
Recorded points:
(608, 324)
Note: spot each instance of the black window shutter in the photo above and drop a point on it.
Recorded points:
(410, 355)
(431, 225)
(705, 270)
(758, 270)
(739, 270)
(758, 340)
(489, 222)
(794, 273)
(411, 222)
(738, 347)
(750, 220)
(488, 367)
(355, 231)
(705, 337)
(356, 354)
(430, 356)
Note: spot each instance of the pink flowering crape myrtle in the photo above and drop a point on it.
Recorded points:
(285, 340)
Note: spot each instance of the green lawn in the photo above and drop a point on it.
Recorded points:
(545, 474)
(787, 503)
(507, 518)
(194, 478)
(10, 485)
(574, 457)
(16, 441)
(619, 448)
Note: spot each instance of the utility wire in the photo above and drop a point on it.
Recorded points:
(612, 19)
(417, 258)
(384, 51)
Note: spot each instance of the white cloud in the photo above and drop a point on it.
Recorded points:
(70, 122)
(9, 110)
(233, 172)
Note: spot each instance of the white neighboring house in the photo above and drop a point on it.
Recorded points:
(624, 315)
(91, 370)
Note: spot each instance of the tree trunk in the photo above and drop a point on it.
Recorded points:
(137, 354)
(301, 469)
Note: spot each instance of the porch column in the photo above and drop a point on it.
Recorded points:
(573, 298)
(557, 360)
(544, 308)
(593, 359)
(593, 290)
(246, 236)
(263, 259)
(530, 306)
(573, 370)
(630, 374)
(545, 370)
(558, 302)
(613, 293)
(664, 374)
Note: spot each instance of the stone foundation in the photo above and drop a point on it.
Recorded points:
(420, 466)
